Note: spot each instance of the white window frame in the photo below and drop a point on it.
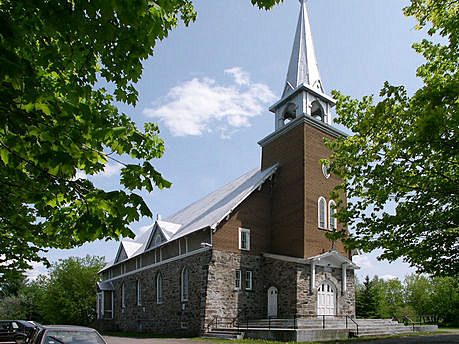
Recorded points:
(238, 280)
(123, 295)
(248, 280)
(159, 288)
(139, 293)
(244, 231)
(332, 221)
(185, 240)
(322, 201)
(185, 284)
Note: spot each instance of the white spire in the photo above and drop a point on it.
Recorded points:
(303, 66)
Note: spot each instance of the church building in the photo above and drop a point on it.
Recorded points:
(256, 247)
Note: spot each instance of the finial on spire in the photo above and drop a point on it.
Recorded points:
(303, 67)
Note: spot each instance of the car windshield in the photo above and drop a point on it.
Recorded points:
(72, 337)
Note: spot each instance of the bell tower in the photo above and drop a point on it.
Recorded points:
(301, 206)
(303, 92)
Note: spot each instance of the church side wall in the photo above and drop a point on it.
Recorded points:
(172, 315)
(251, 214)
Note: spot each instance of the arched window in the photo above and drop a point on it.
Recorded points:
(139, 293)
(317, 111)
(331, 215)
(159, 288)
(185, 284)
(123, 296)
(289, 113)
(322, 213)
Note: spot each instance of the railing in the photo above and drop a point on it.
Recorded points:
(409, 321)
(242, 321)
(417, 319)
(355, 322)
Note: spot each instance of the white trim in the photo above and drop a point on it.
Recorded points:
(249, 280)
(113, 305)
(159, 288)
(326, 128)
(243, 231)
(314, 260)
(163, 262)
(185, 284)
(238, 279)
(139, 292)
(343, 277)
(313, 276)
(123, 295)
(325, 213)
(330, 209)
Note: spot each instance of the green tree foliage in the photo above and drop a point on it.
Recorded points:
(55, 121)
(68, 294)
(366, 299)
(417, 295)
(391, 299)
(404, 153)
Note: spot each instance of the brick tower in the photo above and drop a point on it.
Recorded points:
(301, 206)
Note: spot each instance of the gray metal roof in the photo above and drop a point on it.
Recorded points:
(207, 212)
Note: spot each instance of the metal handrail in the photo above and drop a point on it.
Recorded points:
(357, 325)
(215, 319)
(411, 321)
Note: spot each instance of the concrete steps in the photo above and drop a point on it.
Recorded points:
(366, 327)
(224, 333)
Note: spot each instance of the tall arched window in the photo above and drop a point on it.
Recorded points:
(322, 213)
(185, 284)
(331, 215)
(123, 296)
(139, 293)
(159, 288)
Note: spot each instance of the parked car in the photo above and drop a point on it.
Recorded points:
(15, 331)
(62, 334)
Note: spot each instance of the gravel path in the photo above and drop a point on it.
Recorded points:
(440, 338)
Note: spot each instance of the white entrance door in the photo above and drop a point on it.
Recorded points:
(272, 302)
(325, 299)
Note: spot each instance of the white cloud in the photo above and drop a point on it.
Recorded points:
(80, 175)
(143, 229)
(110, 170)
(200, 105)
(240, 76)
(37, 270)
(388, 277)
(362, 261)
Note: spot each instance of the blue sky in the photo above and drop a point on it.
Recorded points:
(209, 87)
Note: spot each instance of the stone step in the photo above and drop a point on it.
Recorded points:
(223, 333)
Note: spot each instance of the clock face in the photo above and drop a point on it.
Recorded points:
(325, 171)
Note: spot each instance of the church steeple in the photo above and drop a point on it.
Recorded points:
(303, 92)
(303, 67)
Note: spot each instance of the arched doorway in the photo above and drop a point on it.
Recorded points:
(272, 302)
(326, 299)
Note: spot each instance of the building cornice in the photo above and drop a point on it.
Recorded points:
(165, 261)
(327, 129)
(308, 89)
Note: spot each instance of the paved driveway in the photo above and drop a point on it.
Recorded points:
(441, 338)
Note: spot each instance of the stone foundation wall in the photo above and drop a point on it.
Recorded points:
(172, 315)
(223, 299)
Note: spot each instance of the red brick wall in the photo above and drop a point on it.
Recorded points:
(253, 214)
(288, 195)
(317, 185)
